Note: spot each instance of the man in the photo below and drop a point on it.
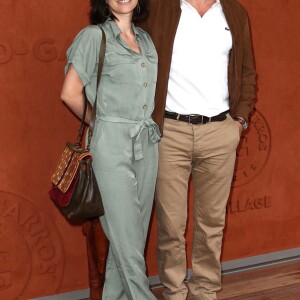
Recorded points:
(206, 70)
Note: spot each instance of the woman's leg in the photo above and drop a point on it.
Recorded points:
(124, 226)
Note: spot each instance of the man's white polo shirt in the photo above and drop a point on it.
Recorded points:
(198, 82)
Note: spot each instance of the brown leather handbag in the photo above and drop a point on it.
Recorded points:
(75, 189)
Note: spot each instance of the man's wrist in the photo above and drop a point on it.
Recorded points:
(242, 121)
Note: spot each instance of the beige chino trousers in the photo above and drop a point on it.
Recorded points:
(208, 152)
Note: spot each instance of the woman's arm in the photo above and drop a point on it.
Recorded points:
(72, 94)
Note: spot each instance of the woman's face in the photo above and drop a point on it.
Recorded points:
(122, 7)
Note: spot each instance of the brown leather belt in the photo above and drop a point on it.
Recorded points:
(196, 119)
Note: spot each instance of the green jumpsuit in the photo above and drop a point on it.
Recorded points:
(124, 148)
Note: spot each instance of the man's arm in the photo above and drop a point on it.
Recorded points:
(248, 92)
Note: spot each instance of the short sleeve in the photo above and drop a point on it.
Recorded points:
(83, 53)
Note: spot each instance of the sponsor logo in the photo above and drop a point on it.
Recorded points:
(31, 250)
(43, 50)
(253, 151)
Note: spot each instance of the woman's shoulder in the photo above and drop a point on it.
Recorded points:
(88, 39)
(146, 37)
(90, 31)
(148, 43)
(143, 33)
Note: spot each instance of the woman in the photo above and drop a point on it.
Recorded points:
(124, 145)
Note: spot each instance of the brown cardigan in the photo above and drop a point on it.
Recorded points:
(162, 25)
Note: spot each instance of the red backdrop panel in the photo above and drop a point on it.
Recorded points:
(40, 252)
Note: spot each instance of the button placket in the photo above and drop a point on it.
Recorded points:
(144, 78)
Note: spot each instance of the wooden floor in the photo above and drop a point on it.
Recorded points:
(273, 283)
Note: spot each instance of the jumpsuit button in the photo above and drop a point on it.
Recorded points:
(143, 65)
(145, 85)
(144, 106)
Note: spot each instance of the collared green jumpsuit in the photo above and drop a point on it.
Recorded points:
(124, 148)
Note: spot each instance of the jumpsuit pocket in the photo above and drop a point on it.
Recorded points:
(121, 67)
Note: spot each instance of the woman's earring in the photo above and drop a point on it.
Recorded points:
(106, 12)
(138, 8)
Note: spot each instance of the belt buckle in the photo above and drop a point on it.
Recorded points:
(194, 115)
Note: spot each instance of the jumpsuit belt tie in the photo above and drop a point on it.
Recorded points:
(136, 131)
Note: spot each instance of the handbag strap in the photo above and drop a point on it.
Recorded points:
(94, 111)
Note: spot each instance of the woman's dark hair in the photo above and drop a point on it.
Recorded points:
(99, 12)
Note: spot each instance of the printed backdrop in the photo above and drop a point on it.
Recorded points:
(40, 252)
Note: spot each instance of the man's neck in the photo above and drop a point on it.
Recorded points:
(202, 6)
